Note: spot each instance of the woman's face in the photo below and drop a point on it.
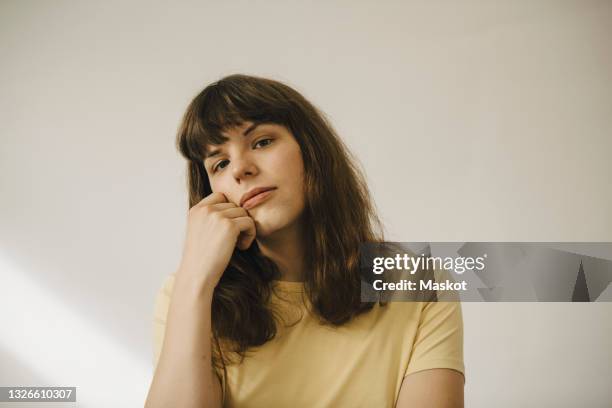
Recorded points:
(264, 155)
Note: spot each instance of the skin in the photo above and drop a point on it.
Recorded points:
(184, 376)
(268, 155)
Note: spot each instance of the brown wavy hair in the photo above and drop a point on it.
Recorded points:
(339, 214)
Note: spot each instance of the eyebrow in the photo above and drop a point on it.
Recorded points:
(214, 153)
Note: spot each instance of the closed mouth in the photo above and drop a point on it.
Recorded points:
(253, 192)
(254, 200)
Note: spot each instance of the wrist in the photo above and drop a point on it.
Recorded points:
(194, 284)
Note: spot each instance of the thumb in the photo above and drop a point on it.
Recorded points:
(246, 238)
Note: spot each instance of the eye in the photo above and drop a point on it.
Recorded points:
(218, 166)
(263, 140)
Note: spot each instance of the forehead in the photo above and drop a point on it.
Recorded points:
(240, 130)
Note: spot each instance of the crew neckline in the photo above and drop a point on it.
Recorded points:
(291, 286)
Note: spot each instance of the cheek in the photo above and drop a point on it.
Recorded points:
(217, 187)
(293, 162)
(213, 186)
(296, 172)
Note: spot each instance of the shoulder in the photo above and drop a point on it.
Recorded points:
(162, 298)
(162, 304)
(168, 284)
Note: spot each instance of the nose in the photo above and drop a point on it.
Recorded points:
(242, 167)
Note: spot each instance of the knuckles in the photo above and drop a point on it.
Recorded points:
(207, 214)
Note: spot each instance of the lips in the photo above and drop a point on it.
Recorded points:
(254, 192)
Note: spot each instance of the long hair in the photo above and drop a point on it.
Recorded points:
(339, 214)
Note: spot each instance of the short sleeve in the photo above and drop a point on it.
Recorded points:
(439, 338)
(162, 303)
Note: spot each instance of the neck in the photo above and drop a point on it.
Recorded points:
(285, 248)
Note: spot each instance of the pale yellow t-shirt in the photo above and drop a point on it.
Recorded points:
(359, 364)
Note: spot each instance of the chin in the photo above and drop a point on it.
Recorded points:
(269, 222)
(266, 227)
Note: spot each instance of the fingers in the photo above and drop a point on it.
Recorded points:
(213, 198)
(233, 212)
(223, 206)
(218, 202)
(246, 225)
(215, 202)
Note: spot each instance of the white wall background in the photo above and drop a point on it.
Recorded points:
(474, 120)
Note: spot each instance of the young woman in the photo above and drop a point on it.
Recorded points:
(265, 307)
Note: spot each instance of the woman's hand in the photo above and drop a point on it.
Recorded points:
(215, 227)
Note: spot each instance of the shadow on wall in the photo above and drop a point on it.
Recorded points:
(54, 344)
(18, 373)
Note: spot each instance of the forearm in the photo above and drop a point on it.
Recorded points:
(184, 376)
